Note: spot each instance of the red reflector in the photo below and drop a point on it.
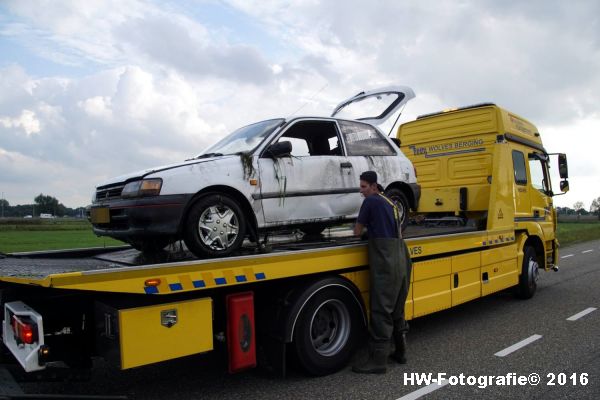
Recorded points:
(240, 331)
(24, 332)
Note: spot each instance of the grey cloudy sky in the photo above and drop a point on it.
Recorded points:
(94, 89)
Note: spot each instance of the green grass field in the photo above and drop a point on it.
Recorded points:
(34, 234)
(577, 232)
(18, 235)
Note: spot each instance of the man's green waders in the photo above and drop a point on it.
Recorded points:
(390, 269)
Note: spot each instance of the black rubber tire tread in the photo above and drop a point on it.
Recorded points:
(307, 357)
(190, 232)
(397, 196)
(525, 290)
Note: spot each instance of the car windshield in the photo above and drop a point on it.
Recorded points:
(243, 139)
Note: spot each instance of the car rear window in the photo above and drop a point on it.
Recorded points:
(364, 140)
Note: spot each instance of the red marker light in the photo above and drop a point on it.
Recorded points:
(152, 282)
(24, 332)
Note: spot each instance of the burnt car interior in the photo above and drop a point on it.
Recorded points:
(313, 138)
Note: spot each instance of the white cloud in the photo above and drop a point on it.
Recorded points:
(26, 121)
(584, 171)
(97, 106)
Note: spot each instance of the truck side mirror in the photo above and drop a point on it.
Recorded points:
(564, 186)
(563, 169)
(279, 149)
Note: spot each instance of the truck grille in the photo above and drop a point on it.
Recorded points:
(109, 192)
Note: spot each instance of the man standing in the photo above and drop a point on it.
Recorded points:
(390, 267)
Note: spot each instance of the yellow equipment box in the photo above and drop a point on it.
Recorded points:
(143, 335)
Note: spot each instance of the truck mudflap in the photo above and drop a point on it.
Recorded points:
(23, 335)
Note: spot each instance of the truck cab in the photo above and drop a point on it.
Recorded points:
(486, 167)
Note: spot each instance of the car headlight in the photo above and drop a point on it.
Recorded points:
(141, 188)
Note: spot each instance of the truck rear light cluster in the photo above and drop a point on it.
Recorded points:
(25, 332)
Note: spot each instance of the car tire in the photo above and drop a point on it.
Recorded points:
(399, 198)
(215, 226)
(328, 330)
(149, 245)
(529, 274)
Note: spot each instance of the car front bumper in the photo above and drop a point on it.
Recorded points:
(151, 216)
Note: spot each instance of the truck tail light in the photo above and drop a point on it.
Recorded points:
(241, 342)
(24, 331)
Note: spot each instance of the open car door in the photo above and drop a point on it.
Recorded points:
(374, 106)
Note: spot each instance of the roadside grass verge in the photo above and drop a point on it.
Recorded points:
(17, 241)
(577, 232)
(18, 235)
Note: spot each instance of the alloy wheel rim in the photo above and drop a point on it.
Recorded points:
(401, 211)
(218, 227)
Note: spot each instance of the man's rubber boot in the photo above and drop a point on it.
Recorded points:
(377, 361)
(400, 353)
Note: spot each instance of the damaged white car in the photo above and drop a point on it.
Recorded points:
(300, 172)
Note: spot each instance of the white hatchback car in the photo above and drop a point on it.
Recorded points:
(300, 172)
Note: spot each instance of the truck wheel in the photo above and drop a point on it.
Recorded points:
(529, 274)
(398, 197)
(215, 226)
(327, 331)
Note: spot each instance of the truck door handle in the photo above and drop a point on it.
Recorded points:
(346, 165)
(536, 213)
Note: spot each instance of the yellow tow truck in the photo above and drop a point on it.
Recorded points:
(485, 223)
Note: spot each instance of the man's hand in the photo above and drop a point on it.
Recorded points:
(358, 229)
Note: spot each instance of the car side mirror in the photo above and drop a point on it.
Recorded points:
(564, 186)
(563, 169)
(279, 149)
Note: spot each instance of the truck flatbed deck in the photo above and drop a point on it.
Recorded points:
(61, 268)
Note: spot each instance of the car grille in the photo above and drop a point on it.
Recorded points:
(109, 192)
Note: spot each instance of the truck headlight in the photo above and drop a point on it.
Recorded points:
(142, 188)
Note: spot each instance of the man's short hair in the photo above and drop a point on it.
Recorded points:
(369, 177)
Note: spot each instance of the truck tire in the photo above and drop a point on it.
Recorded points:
(529, 274)
(398, 197)
(327, 331)
(215, 226)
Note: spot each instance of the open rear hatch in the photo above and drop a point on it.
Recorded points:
(375, 106)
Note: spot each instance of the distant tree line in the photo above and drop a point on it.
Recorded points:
(42, 204)
(579, 209)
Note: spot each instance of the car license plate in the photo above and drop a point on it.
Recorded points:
(100, 215)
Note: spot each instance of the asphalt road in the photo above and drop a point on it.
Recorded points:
(463, 340)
